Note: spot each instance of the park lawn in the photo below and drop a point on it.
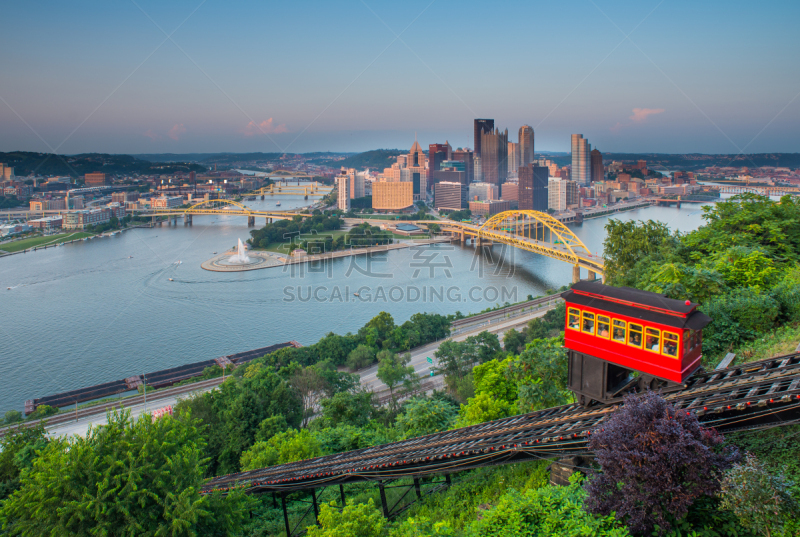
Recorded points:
(24, 244)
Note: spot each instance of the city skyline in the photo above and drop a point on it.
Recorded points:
(198, 77)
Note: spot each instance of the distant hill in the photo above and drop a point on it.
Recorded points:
(377, 159)
(25, 163)
(210, 158)
(693, 161)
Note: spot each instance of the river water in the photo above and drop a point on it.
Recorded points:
(104, 309)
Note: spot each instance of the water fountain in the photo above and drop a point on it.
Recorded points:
(239, 260)
(241, 255)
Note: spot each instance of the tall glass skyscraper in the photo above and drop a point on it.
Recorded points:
(581, 160)
(525, 146)
(481, 126)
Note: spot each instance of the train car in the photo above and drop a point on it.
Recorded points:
(612, 332)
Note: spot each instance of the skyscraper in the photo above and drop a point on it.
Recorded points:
(481, 126)
(525, 146)
(581, 160)
(513, 158)
(343, 191)
(494, 156)
(437, 153)
(465, 156)
(533, 184)
(597, 166)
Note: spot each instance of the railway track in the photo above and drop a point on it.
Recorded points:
(154, 397)
(751, 396)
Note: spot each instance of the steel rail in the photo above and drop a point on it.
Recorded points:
(757, 395)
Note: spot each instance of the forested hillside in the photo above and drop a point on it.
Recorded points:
(658, 471)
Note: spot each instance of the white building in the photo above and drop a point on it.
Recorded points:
(483, 192)
(343, 192)
(557, 194)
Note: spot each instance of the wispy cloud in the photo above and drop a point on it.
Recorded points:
(640, 114)
(265, 127)
(152, 135)
(177, 131)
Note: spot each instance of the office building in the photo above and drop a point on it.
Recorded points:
(513, 158)
(581, 160)
(481, 126)
(533, 185)
(95, 179)
(494, 156)
(450, 175)
(451, 196)
(87, 217)
(489, 207)
(478, 170)
(509, 191)
(483, 192)
(526, 154)
(557, 194)
(343, 192)
(392, 196)
(437, 153)
(465, 156)
(6, 172)
(597, 166)
(48, 222)
(357, 185)
(166, 202)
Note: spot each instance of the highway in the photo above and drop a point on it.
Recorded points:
(170, 396)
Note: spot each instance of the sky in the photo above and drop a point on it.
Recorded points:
(143, 76)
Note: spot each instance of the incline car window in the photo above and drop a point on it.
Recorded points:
(574, 319)
(588, 322)
(603, 326)
(619, 331)
(635, 335)
(652, 339)
(670, 344)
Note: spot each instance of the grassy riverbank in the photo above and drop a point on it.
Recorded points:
(32, 242)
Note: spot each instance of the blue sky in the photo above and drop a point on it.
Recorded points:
(634, 76)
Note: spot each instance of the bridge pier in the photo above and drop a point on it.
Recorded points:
(576, 274)
(592, 275)
(262, 197)
(251, 221)
(174, 220)
(187, 219)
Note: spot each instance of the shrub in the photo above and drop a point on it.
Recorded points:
(289, 446)
(42, 411)
(423, 416)
(550, 510)
(12, 416)
(759, 498)
(361, 519)
(655, 461)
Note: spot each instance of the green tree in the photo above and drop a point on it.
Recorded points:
(360, 357)
(541, 375)
(421, 416)
(18, 449)
(394, 371)
(123, 478)
(288, 446)
(627, 243)
(759, 498)
(513, 341)
(355, 519)
(355, 408)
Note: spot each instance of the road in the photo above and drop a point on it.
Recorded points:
(368, 379)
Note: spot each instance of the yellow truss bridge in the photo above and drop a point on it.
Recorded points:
(535, 232)
(311, 189)
(221, 207)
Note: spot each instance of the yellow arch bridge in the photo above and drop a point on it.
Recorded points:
(221, 207)
(535, 232)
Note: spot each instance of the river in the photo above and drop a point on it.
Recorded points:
(104, 309)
